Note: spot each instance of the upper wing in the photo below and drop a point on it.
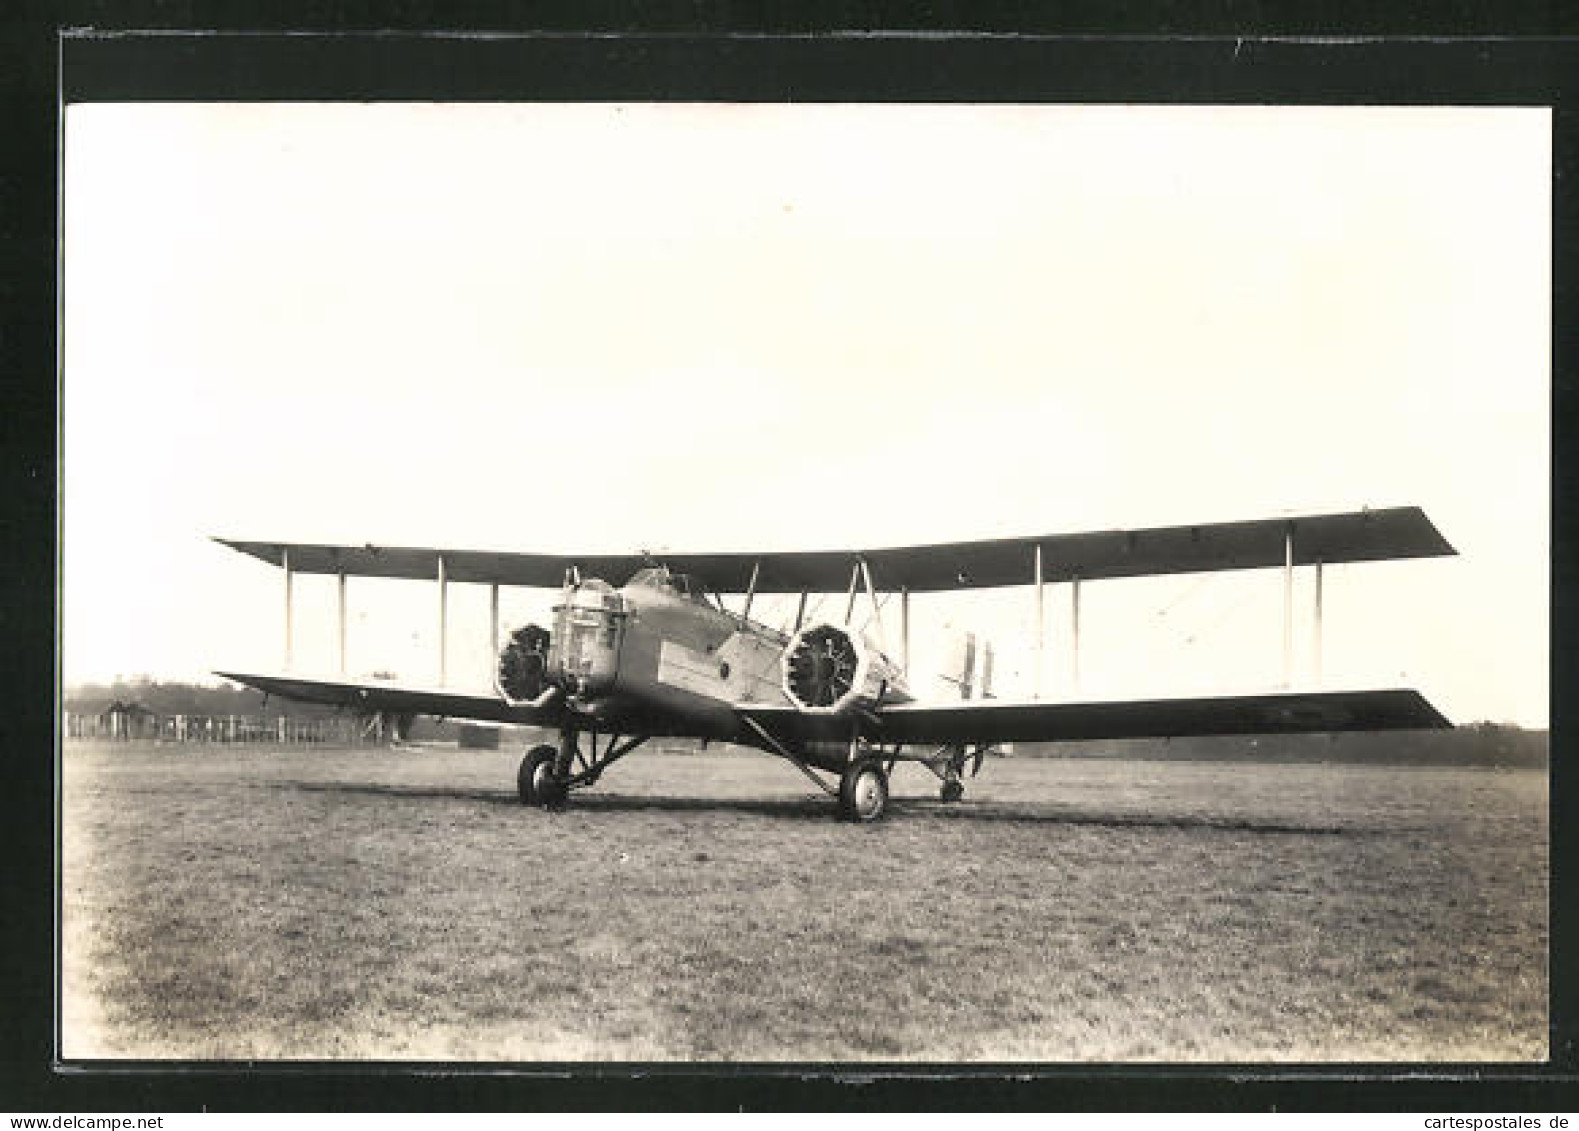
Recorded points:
(545, 571)
(1367, 535)
(995, 720)
(375, 695)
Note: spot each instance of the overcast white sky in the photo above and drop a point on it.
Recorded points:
(584, 328)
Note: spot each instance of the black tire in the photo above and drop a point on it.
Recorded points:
(536, 771)
(552, 794)
(952, 791)
(863, 791)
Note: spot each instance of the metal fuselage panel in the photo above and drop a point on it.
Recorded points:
(683, 658)
(662, 662)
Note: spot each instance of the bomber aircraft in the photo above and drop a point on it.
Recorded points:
(662, 655)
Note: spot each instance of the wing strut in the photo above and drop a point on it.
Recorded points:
(1288, 613)
(1288, 606)
(444, 623)
(779, 748)
(493, 621)
(285, 563)
(904, 625)
(1041, 622)
(877, 610)
(340, 608)
(1074, 633)
(1289, 563)
(1316, 642)
(751, 591)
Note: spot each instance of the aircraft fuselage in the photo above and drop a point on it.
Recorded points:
(657, 657)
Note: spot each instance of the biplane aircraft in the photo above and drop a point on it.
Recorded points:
(662, 655)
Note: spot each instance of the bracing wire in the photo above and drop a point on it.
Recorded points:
(1232, 609)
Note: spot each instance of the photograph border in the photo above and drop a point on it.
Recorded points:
(758, 65)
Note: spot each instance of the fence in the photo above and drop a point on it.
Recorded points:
(125, 726)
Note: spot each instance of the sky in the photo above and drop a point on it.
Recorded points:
(587, 328)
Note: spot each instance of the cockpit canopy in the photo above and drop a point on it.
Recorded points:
(665, 580)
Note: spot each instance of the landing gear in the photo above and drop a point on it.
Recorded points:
(949, 765)
(553, 794)
(863, 791)
(549, 773)
(537, 771)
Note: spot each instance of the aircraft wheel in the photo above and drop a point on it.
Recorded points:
(952, 791)
(537, 770)
(863, 791)
(552, 794)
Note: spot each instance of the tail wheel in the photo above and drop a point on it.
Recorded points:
(952, 791)
(863, 791)
(535, 779)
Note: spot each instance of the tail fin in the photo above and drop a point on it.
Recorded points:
(959, 670)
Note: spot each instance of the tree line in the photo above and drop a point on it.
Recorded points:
(174, 698)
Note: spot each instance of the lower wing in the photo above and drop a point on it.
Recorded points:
(997, 720)
(376, 695)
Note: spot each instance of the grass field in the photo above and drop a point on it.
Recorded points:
(246, 903)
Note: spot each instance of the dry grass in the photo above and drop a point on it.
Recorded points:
(252, 903)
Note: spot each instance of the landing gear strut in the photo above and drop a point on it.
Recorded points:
(863, 784)
(949, 766)
(548, 773)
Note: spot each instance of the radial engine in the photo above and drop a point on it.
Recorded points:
(522, 674)
(831, 670)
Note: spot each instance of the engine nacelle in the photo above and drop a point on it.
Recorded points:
(829, 670)
(522, 673)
